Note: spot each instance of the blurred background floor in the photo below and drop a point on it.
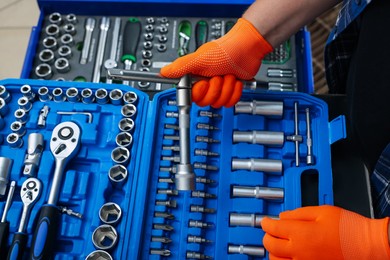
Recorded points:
(18, 16)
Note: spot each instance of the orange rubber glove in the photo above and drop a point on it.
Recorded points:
(238, 53)
(325, 232)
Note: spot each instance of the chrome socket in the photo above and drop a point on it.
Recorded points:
(117, 175)
(62, 65)
(247, 220)
(58, 95)
(52, 30)
(71, 18)
(162, 38)
(247, 250)
(87, 96)
(55, 18)
(148, 36)
(266, 193)
(128, 110)
(46, 56)
(258, 165)
(148, 45)
(24, 104)
(124, 139)
(255, 107)
(3, 107)
(104, 237)
(72, 95)
(5, 169)
(149, 28)
(147, 54)
(67, 39)
(4, 94)
(21, 115)
(99, 255)
(65, 52)
(126, 124)
(50, 43)
(26, 90)
(110, 213)
(101, 96)
(14, 140)
(43, 71)
(120, 155)
(69, 29)
(161, 47)
(43, 94)
(18, 128)
(116, 97)
(146, 63)
(130, 97)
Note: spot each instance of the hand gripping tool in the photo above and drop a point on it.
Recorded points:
(29, 193)
(64, 145)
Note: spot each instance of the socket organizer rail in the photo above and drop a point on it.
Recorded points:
(72, 47)
(118, 199)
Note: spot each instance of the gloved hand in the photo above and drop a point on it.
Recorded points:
(325, 232)
(238, 53)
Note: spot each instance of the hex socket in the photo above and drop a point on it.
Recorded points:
(265, 108)
(43, 94)
(126, 124)
(247, 250)
(258, 165)
(46, 56)
(104, 237)
(43, 71)
(62, 65)
(120, 155)
(128, 110)
(69, 29)
(52, 30)
(50, 43)
(65, 52)
(55, 18)
(116, 97)
(117, 175)
(110, 213)
(101, 96)
(247, 220)
(99, 255)
(67, 39)
(124, 139)
(130, 97)
(72, 94)
(87, 96)
(58, 95)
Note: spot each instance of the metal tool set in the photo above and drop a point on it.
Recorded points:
(82, 48)
(104, 173)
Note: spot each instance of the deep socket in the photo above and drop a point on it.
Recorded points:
(264, 108)
(5, 170)
(267, 138)
(258, 165)
(266, 193)
(26, 90)
(258, 251)
(58, 95)
(247, 220)
(24, 103)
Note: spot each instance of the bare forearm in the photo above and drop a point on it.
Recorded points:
(278, 20)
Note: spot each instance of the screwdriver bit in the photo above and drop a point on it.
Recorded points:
(201, 209)
(168, 169)
(168, 192)
(167, 203)
(196, 255)
(171, 126)
(172, 114)
(175, 159)
(197, 239)
(201, 194)
(205, 153)
(205, 139)
(174, 148)
(206, 126)
(162, 252)
(171, 137)
(166, 180)
(204, 180)
(166, 215)
(199, 224)
(164, 227)
(164, 240)
(209, 114)
(205, 167)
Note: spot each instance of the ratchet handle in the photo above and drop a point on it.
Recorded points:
(44, 238)
(131, 37)
(18, 246)
(4, 231)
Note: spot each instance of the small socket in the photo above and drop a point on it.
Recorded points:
(55, 18)
(163, 29)
(110, 213)
(124, 139)
(99, 255)
(149, 28)
(43, 71)
(21, 115)
(50, 43)
(126, 124)
(27, 92)
(117, 175)
(62, 65)
(69, 29)
(72, 95)
(148, 45)
(161, 47)
(104, 237)
(65, 52)
(147, 54)
(162, 38)
(24, 104)
(116, 97)
(128, 110)
(130, 97)
(67, 39)
(14, 140)
(87, 96)
(43, 94)
(46, 56)
(58, 95)
(18, 128)
(71, 18)
(4, 94)
(101, 96)
(146, 63)
(148, 36)
(52, 30)
(3, 107)
(120, 155)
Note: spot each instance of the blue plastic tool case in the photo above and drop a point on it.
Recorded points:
(86, 186)
(288, 67)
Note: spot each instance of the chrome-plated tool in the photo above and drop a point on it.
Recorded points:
(29, 193)
(5, 170)
(258, 165)
(104, 237)
(110, 213)
(256, 107)
(268, 138)
(196, 255)
(247, 220)
(104, 26)
(99, 255)
(257, 192)
(309, 140)
(42, 116)
(111, 63)
(64, 145)
(33, 156)
(257, 251)
(296, 137)
(4, 224)
(89, 27)
(26, 90)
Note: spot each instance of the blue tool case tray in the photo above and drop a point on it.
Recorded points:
(124, 204)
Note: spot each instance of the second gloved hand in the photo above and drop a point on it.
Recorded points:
(325, 232)
(238, 53)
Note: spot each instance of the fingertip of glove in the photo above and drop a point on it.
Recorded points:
(236, 96)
